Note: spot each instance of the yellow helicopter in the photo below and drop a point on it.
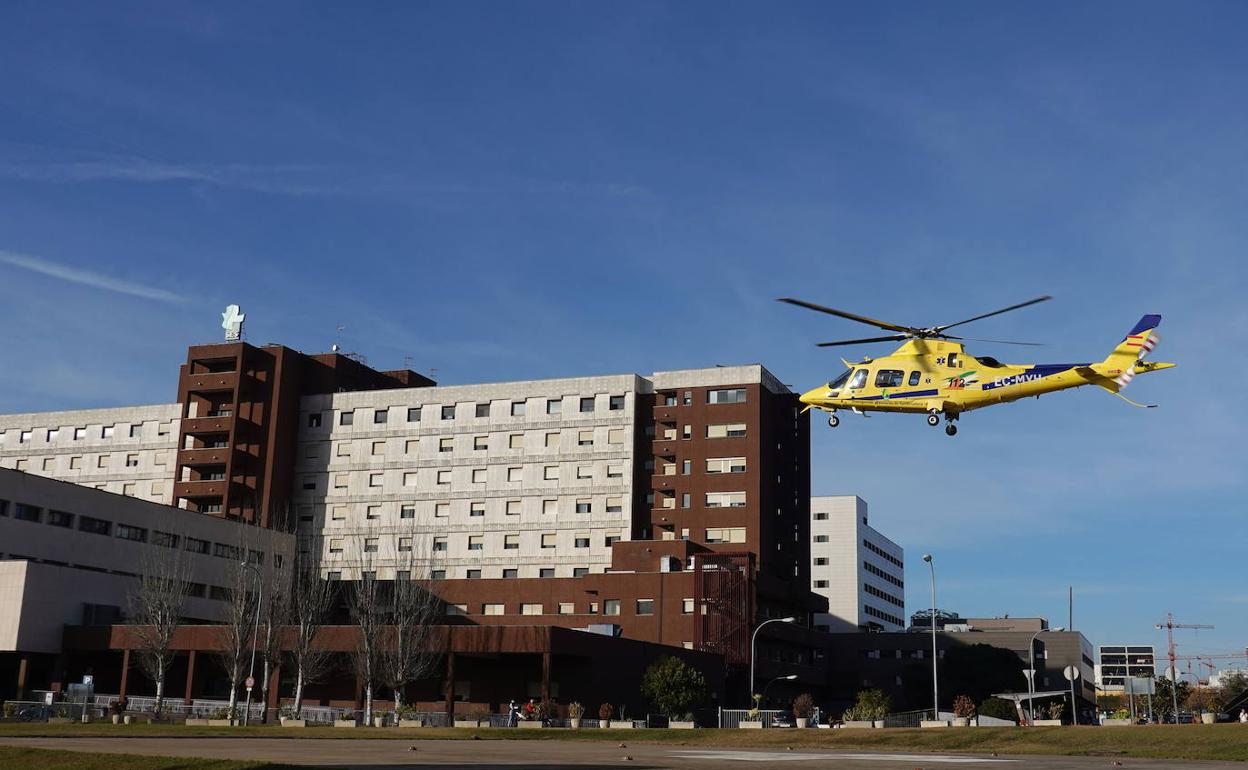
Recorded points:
(932, 373)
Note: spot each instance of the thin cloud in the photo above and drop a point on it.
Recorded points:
(87, 278)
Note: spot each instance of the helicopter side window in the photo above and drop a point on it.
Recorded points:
(839, 382)
(914, 377)
(860, 379)
(953, 361)
(888, 378)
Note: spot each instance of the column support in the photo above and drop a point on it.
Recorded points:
(125, 672)
(188, 692)
(450, 684)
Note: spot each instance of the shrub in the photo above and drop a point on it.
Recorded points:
(964, 707)
(10, 710)
(546, 710)
(1055, 709)
(872, 705)
(999, 708)
(575, 710)
(803, 706)
(1120, 714)
(605, 711)
(849, 715)
(116, 708)
(673, 686)
(221, 713)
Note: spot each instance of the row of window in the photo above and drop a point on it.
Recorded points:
(481, 410)
(610, 607)
(49, 435)
(475, 508)
(444, 476)
(667, 500)
(480, 443)
(511, 542)
(195, 590)
(880, 552)
(874, 570)
(877, 593)
(667, 431)
(79, 462)
(507, 573)
(94, 526)
(714, 465)
(882, 615)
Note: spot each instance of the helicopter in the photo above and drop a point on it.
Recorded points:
(931, 373)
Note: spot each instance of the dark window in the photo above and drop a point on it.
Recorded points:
(914, 377)
(413, 414)
(511, 573)
(483, 410)
(839, 382)
(195, 545)
(218, 593)
(127, 532)
(60, 519)
(616, 403)
(953, 361)
(380, 416)
(4, 507)
(587, 404)
(888, 378)
(346, 418)
(581, 542)
(860, 379)
(438, 574)
(546, 572)
(94, 526)
(448, 412)
(580, 571)
(165, 539)
(226, 551)
(645, 606)
(727, 396)
(474, 574)
(314, 420)
(24, 512)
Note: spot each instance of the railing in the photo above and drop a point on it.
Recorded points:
(730, 719)
(906, 718)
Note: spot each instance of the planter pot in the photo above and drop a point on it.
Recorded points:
(933, 723)
(379, 721)
(1048, 723)
(1208, 718)
(288, 722)
(604, 723)
(127, 719)
(802, 721)
(1116, 722)
(859, 724)
(531, 724)
(59, 720)
(575, 724)
(411, 723)
(466, 723)
(116, 719)
(681, 725)
(750, 725)
(344, 723)
(217, 722)
(961, 721)
(196, 723)
(617, 724)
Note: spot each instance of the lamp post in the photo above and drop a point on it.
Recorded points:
(927, 557)
(1031, 680)
(255, 629)
(753, 637)
(773, 681)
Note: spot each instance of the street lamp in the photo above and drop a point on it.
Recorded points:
(255, 630)
(927, 557)
(753, 637)
(1031, 680)
(773, 681)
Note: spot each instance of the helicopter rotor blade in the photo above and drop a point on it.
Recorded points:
(849, 316)
(1045, 298)
(995, 342)
(889, 338)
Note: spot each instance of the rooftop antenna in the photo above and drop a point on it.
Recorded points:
(409, 362)
(337, 346)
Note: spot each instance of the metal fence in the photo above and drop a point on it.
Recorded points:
(906, 718)
(730, 719)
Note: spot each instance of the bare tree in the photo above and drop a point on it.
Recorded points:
(237, 630)
(411, 644)
(157, 605)
(275, 614)
(364, 602)
(310, 600)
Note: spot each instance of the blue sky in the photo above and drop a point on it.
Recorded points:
(517, 190)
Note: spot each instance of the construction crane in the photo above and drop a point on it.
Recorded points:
(1170, 625)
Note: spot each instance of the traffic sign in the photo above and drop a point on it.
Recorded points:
(1071, 673)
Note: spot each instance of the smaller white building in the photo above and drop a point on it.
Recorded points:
(859, 570)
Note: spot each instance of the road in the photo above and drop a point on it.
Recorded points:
(366, 754)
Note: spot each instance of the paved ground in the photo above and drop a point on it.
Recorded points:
(580, 755)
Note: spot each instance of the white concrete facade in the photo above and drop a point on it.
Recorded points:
(128, 450)
(525, 476)
(64, 547)
(859, 570)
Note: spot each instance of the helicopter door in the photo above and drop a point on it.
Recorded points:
(954, 363)
(914, 377)
(860, 379)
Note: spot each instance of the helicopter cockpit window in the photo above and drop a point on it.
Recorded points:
(990, 361)
(860, 379)
(888, 378)
(839, 382)
(914, 377)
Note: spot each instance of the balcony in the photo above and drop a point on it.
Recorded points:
(212, 382)
(195, 489)
(197, 425)
(217, 456)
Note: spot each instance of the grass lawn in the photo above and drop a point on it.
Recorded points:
(75, 760)
(1210, 742)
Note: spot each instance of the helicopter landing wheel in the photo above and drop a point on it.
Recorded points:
(933, 419)
(951, 430)
(833, 421)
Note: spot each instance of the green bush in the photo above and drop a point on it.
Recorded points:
(999, 708)
(673, 687)
(872, 705)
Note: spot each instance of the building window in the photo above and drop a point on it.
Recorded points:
(456, 609)
(480, 443)
(75, 463)
(413, 414)
(412, 446)
(548, 540)
(616, 404)
(515, 441)
(379, 448)
(491, 609)
(686, 606)
(60, 519)
(475, 542)
(513, 507)
(821, 562)
(448, 412)
(611, 540)
(126, 532)
(584, 505)
(587, 403)
(343, 449)
(372, 512)
(446, 444)
(685, 500)
(510, 573)
(729, 430)
(444, 477)
(584, 472)
(725, 465)
(375, 479)
(821, 584)
(581, 572)
(726, 396)
(551, 473)
(24, 512)
(478, 475)
(615, 471)
(550, 506)
(410, 479)
(581, 540)
(567, 608)
(725, 499)
(611, 607)
(645, 606)
(440, 574)
(370, 545)
(380, 416)
(80, 434)
(93, 526)
(476, 509)
(821, 517)
(164, 539)
(615, 505)
(511, 542)
(517, 408)
(821, 538)
(615, 436)
(314, 419)
(515, 475)
(546, 572)
(102, 462)
(441, 510)
(726, 535)
(585, 438)
(669, 399)
(195, 545)
(483, 410)
(439, 544)
(338, 513)
(346, 417)
(530, 609)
